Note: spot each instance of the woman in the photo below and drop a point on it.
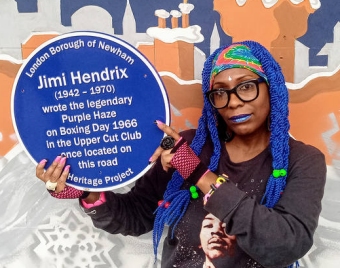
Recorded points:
(270, 197)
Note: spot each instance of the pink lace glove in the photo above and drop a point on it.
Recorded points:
(187, 162)
(70, 193)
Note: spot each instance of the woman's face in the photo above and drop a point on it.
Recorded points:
(243, 118)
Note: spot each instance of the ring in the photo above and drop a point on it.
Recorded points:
(51, 186)
(167, 143)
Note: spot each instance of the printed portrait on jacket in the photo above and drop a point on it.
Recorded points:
(215, 242)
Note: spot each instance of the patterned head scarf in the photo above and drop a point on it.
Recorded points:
(236, 56)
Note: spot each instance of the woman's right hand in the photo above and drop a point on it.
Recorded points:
(55, 177)
(56, 173)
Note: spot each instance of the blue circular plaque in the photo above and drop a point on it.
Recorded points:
(93, 98)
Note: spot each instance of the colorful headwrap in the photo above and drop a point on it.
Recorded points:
(236, 56)
(255, 57)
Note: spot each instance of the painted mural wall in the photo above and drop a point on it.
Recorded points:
(176, 36)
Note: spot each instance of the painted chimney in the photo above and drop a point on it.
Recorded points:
(162, 16)
(185, 8)
(174, 20)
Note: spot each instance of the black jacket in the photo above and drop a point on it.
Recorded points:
(265, 237)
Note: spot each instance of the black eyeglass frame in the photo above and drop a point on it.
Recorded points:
(233, 90)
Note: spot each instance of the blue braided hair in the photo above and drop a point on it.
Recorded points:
(180, 198)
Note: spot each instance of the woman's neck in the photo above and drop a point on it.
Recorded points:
(242, 148)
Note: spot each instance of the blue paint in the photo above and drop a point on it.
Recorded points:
(115, 8)
(320, 30)
(144, 14)
(27, 6)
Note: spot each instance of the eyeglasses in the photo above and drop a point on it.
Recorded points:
(246, 91)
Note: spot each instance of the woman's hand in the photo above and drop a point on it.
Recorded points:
(166, 155)
(180, 157)
(55, 179)
(56, 173)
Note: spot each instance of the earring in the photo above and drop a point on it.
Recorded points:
(268, 123)
(228, 136)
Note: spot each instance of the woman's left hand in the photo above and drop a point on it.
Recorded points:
(165, 154)
(183, 158)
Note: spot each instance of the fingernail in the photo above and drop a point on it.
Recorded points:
(57, 159)
(43, 161)
(157, 122)
(67, 168)
(63, 160)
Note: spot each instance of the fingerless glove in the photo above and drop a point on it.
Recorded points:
(70, 193)
(187, 162)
